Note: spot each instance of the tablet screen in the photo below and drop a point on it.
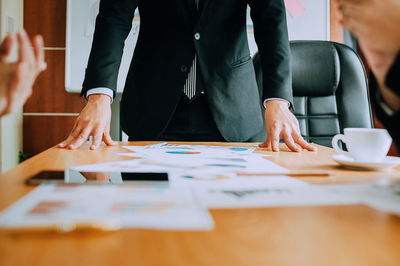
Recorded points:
(75, 177)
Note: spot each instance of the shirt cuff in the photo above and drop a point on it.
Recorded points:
(269, 99)
(105, 91)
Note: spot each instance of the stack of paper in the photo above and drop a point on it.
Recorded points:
(191, 163)
(199, 176)
(67, 207)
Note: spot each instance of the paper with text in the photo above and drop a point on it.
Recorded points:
(127, 206)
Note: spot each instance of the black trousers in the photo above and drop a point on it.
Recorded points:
(192, 121)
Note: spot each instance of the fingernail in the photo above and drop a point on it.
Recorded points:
(43, 66)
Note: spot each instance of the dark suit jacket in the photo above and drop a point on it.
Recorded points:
(164, 53)
(391, 122)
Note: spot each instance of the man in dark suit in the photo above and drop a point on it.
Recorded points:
(191, 77)
(376, 25)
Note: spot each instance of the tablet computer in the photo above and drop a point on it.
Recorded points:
(70, 176)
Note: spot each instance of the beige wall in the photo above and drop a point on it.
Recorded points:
(10, 125)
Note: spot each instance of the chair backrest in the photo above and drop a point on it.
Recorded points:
(329, 88)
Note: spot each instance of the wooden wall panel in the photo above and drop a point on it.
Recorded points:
(45, 132)
(46, 17)
(49, 94)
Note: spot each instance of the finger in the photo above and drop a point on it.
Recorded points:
(75, 129)
(108, 140)
(69, 139)
(62, 144)
(341, 2)
(39, 52)
(66, 142)
(79, 137)
(275, 133)
(97, 136)
(6, 47)
(354, 4)
(356, 27)
(263, 145)
(17, 93)
(352, 14)
(79, 140)
(304, 144)
(287, 136)
(267, 143)
(25, 49)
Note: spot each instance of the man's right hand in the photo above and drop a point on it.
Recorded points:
(94, 121)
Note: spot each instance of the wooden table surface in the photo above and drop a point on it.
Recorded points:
(334, 235)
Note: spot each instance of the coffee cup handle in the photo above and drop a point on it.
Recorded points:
(335, 145)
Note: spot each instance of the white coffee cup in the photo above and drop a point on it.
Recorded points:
(364, 144)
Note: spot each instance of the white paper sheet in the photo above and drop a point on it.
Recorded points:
(382, 197)
(212, 175)
(161, 150)
(268, 195)
(125, 206)
(198, 162)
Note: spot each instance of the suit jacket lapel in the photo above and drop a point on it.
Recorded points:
(191, 6)
(203, 11)
(195, 14)
(203, 5)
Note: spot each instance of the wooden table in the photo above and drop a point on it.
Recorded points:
(335, 235)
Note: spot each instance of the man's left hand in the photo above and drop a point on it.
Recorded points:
(281, 123)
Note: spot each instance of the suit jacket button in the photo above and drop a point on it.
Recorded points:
(184, 68)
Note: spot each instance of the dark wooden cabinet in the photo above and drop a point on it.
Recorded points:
(50, 112)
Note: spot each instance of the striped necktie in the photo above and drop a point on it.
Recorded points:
(190, 88)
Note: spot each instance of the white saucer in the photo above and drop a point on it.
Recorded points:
(348, 162)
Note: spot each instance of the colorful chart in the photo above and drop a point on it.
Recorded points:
(202, 178)
(238, 149)
(183, 152)
(227, 165)
(48, 207)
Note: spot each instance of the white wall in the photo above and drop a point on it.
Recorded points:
(11, 18)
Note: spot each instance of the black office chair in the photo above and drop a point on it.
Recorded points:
(329, 88)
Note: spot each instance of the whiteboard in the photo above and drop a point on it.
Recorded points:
(81, 15)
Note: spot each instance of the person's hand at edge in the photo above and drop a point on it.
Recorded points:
(23, 73)
(94, 120)
(281, 123)
(6, 70)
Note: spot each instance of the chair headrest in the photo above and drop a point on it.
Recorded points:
(315, 68)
